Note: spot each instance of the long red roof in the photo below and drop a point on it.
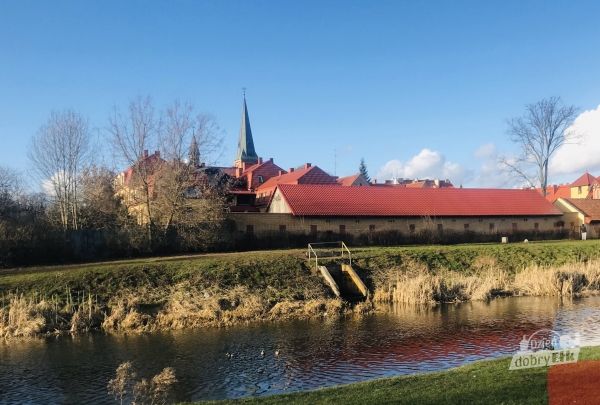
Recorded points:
(334, 200)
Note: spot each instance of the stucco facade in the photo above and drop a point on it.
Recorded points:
(258, 223)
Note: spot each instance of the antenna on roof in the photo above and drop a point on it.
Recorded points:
(334, 161)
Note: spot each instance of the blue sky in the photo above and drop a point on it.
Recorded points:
(422, 87)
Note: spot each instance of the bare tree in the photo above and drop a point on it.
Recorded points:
(11, 184)
(133, 133)
(58, 153)
(539, 133)
(186, 140)
(100, 206)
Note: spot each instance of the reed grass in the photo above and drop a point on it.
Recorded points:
(415, 283)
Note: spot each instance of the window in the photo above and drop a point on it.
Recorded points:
(514, 226)
(261, 179)
(282, 228)
(525, 219)
(371, 228)
(579, 190)
(536, 226)
(342, 229)
(466, 227)
(440, 227)
(313, 229)
(411, 228)
(492, 226)
(250, 229)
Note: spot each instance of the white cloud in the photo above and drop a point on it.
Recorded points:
(486, 151)
(426, 164)
(584, 154)
(491, 173)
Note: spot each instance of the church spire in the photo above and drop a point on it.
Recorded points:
(246, 152)
(194, 153)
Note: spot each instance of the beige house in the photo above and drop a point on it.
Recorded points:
(581, 211)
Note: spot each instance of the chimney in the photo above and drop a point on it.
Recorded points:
(243, 166)
(306, 165)
(145, 153)
(271, 160)
(291, 170)
(260, 161)
(280, 172)
(157, 153)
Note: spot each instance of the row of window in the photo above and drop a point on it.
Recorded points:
(411, 227)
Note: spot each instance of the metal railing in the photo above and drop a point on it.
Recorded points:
(344, 252)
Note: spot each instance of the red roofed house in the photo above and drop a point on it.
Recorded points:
(581, 211)
(586, 186)
(128, 184)
(583, 187)
(361, 210)
(307, 174)
(353, 181)
(555, 192)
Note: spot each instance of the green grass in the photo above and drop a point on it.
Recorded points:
(484, 382)
(284, 272)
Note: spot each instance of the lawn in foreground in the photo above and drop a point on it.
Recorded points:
(484, 382)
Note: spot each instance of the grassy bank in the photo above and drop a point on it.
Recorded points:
(223, 289)
(484, 382)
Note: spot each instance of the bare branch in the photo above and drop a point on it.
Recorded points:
(539, 133)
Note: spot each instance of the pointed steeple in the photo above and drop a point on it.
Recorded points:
(246, 152)
(194, 153)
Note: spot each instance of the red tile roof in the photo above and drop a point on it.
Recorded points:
(586, 179)
(304, 175)
(266, 169)
(348, 180)
(589, 208)
(354, 180)
(553, 193)
(324, 200)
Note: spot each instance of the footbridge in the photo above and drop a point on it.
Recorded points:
(333, 261)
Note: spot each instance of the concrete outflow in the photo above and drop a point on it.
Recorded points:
(341, 278)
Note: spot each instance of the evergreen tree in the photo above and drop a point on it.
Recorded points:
(362, 168)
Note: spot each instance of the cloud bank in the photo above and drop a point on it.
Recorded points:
(426, 164)
(584, 153)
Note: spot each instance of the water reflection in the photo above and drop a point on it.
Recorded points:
(398, 340)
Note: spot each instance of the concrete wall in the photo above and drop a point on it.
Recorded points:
(270, 222)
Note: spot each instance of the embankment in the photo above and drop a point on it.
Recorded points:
(225, 289)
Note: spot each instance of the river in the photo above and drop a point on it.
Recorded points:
(311, 354)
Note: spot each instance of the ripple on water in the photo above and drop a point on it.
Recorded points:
(313, 354)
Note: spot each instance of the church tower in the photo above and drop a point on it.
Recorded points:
(194, 153)
(245, 151)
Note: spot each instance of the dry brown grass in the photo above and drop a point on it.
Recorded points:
(414, 283)
(22, 318)
(125, 388)
(566, 280)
